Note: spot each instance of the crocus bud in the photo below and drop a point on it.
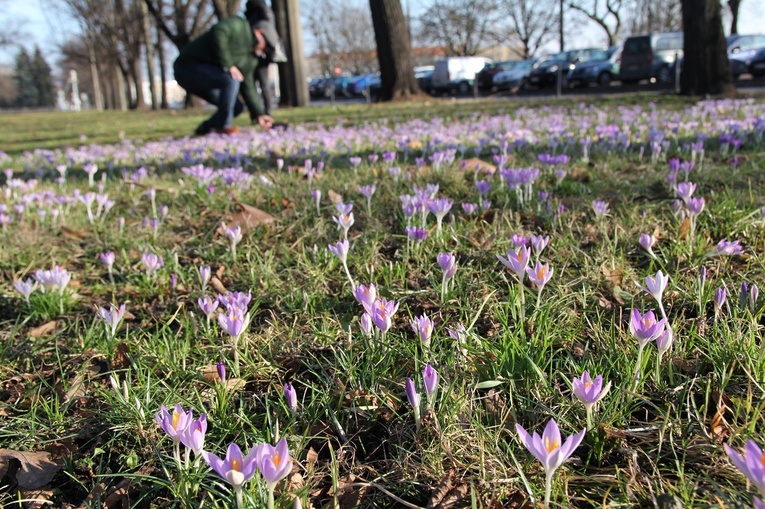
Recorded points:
(720, 297)
(290, 397)
(221, 367)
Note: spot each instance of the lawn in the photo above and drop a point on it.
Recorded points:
(384, 303)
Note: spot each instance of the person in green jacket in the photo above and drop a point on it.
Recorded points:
(220, 65)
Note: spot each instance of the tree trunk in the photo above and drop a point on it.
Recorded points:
(121, 102)
(98, 99)
(292, 74)
(733, 5)
(706, 67)
(162, 72)
(394, 50)
(149, 46)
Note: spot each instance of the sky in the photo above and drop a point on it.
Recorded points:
(43, 23)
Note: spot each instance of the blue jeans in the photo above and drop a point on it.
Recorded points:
(214, 85)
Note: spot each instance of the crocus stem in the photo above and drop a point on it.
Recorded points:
(270, 497)
(658, 368)
(638, 368)
(239, 498)
(548, 489)
(348, 273)
(539, 300)
(589, 417)
(177, 457)
(443, 289)
(523, 301)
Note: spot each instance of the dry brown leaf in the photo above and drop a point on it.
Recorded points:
(121, 359)
(334, 197)
(218, 286)
(36, 498)
(657, 233)
(311, 458)
(719, 426)
(479, 166)
(685, 229)
(37, 469)
(448, 493)
(43, 330)
(613, 276)
(73, 233)
(414, 145)
(249, 218)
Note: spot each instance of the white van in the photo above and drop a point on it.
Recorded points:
(457, 74)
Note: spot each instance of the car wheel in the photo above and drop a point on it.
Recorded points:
(604, 79)
(463, 88)
(664, 75)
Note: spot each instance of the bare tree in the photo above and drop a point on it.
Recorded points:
(530, 24)
(734, 6)
(182, 21)
(646, 16)
(339, 35)
(605, 13)
(394, 50)
(463, 27)
(707, 68)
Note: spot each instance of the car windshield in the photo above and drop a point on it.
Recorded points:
(600, 56)
(526, 64)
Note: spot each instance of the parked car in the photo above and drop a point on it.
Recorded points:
(456, 74)
(425, 81)
(650, 57)
(741, 51)
(485, 77)
(321, 87)
(364, 83)
(515, 75)
(601, 69)
(757, 65)
(546, 73)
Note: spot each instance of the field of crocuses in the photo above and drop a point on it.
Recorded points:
(555, 306)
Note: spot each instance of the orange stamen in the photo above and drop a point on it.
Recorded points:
(236, 465)
(277, 459)
(551, 446)
(176, 418)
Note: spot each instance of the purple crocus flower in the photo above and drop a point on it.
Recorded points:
(685, 190)
(232, 322)
(207, 305)
(368, 190)
(754, 295)
(25, 288)
(548, 449)
(173, 424)
(55, 279)
(340, 250)
(720, 298)
(695, 206)
(483, 187)
(112, 317)
(469, 208)
(366, 295)
(644, 327)
(448, 264)
(601, 208)
(355, 161)
(727, 248)
(345, 221)
(344, 208)
(539, 243)
(423, 327)
(205, 273)
(416, 233)
(221, 369)
(647, 241)
(540, 275)
(439, 208)
(589, 391)
(382, 313)
(290, 398)
(430, 378)
(274, 462)
(411, 394)
(517, 261)
(193, 436)
(151, 263)
(235, 468)
(107, 258)
(366, 324)
(664, 341)
(751, 463)
(655, 286)
(519, 240)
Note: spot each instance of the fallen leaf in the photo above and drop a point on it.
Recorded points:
(448, 493)
(685, 229)
(43, 330)
(73, 233)
(121, 359)
(37, 498)
(719, 425)
(613, 276)
(247, 219)
(218, 286)
(414, 145)
(311, 458)
(479, 166)
(37, 469)
(334, 197)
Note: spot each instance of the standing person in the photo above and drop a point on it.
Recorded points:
(256, 11)
(220, 64)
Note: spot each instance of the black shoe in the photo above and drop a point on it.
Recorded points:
(202, 130)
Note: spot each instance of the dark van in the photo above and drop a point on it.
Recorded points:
(649, 57)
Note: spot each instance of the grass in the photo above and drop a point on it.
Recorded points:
(88, 399)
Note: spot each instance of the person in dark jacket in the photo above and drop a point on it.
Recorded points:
(256, 11)
(220, 65)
